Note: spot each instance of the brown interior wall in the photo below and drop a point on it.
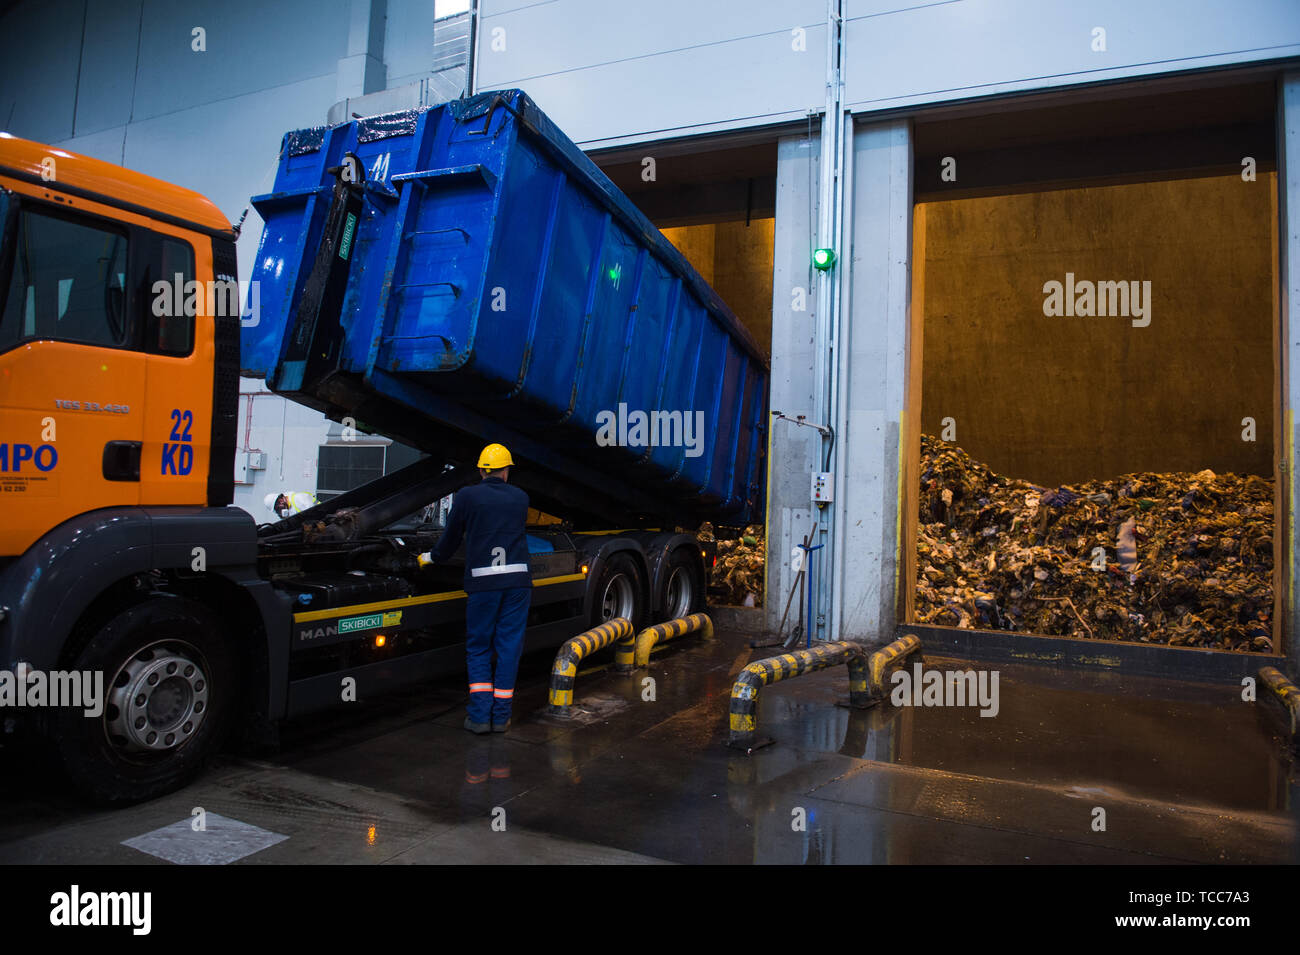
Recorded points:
(1281, 500)
(909, 493)
(696, 242)
(736, 259)
(1060, 399)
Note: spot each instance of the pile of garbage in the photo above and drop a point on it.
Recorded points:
(1181, 559)
(738, 575)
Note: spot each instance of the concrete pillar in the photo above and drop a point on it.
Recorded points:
(1288, 190)
(362, 71)
(872, 352)
(791, 450)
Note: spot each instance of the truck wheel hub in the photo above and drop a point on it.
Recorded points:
(617, 598)
(159, 699)
(680, 593)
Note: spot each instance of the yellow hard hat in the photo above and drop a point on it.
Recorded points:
(494, 457)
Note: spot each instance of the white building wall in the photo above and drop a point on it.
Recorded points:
(616, 73)
(289, 434)
(408, 40)
(135, 92)
(908, 54)
(120, 80)
(612, 72)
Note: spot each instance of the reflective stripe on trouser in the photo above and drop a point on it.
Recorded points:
(494, 640)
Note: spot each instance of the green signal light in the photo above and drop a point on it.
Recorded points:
(823, 259)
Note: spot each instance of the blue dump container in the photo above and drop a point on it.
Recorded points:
(489, 283)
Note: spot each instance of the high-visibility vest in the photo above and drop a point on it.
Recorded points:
(299, 501)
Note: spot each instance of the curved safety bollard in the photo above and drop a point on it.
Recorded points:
(630, 656)
(1286, 693)
(565, 669)
(744, 694)
(880, 661)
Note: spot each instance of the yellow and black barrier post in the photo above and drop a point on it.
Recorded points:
(565, 669)
(744, 694)
(631, 655)
(1287, 694)
(880, 661)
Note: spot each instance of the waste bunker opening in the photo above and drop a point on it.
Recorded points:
(1095, 293)
(716, 202)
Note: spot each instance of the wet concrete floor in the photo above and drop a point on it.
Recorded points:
(1177, 772)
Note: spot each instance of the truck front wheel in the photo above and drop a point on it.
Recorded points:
(168, 695)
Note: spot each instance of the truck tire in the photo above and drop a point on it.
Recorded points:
(169, 695)
(682, 591)
(618, 592)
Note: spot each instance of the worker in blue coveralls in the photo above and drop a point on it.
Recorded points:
(492, 517)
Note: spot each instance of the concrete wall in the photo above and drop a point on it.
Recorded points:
(873, 348)
(872, 434)
(1169, 396)
(792, 450)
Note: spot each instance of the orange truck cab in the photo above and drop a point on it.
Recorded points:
(107, 394)
(118, 403)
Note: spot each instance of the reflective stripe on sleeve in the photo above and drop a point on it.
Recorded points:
(500, 569)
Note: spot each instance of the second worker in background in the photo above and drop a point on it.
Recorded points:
(492, 518)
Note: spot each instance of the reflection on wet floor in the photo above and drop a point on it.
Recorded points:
(1185, 743)
(1180, 772)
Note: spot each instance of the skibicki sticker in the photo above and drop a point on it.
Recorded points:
(370, 621)
(349, 227)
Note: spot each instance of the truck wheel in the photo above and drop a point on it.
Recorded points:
(169, 693)
(682, 593)
(618, 592)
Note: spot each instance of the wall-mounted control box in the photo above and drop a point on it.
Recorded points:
(823, 487)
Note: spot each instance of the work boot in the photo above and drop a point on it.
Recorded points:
(501, 727)
(479, 728)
